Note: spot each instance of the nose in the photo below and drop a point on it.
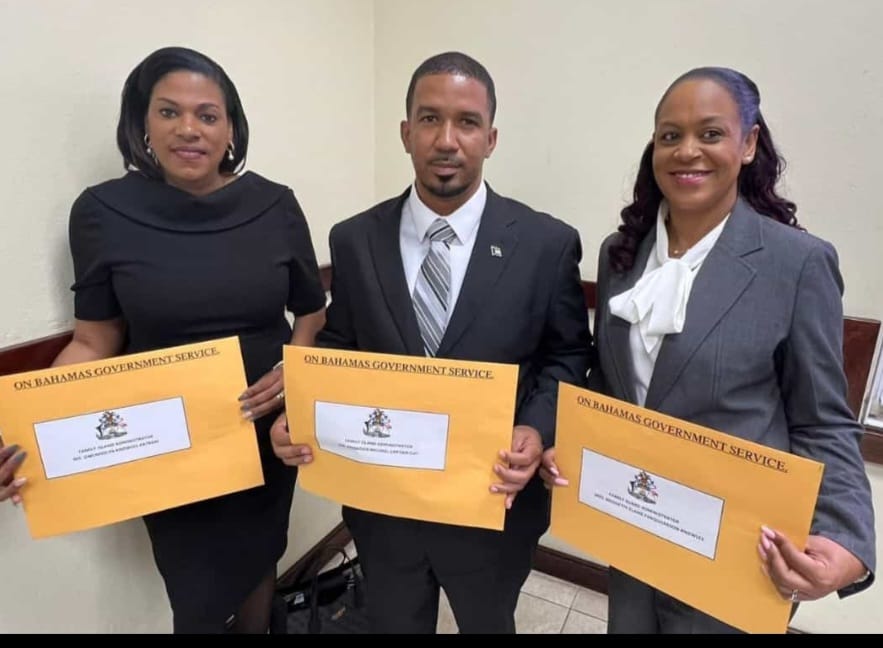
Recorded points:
(188, 127)
(446, 138)
(687, 149)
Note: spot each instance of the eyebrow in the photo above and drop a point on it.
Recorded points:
(202, 106)
(706, 120)
(471, 114)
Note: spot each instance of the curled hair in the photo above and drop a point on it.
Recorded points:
(136, 98)
(453, 63)
(757, 179)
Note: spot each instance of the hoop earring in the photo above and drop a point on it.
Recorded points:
(230, 150)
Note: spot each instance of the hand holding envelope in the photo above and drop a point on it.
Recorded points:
(680, 507)
(406, 436)
(10, 460)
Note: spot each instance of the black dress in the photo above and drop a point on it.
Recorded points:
(181, 269)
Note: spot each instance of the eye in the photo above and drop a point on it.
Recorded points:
(168, 113)
(712, 135)
(209, 119)
(469, 121)
(668, 136)
(429, 119)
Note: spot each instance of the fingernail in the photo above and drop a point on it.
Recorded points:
(13, 448)
(20, 457)
(247, 415)
(307, 459)
(553, 470)
(562, 482)
(767, 532)
(494, 489)
(765, 543)
(19, 482)
(243, 396)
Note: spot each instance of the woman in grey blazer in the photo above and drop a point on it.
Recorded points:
(716, 307)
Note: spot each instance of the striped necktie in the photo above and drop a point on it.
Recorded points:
(433, 287)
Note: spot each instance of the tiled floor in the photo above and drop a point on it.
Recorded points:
(547, 606)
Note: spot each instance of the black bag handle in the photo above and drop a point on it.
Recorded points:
(314, 626)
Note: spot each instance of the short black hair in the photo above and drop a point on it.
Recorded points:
(453, 63)
(136, 98)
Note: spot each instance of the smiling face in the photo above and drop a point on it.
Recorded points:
(448, 135)
(189, 130)
(699, 149)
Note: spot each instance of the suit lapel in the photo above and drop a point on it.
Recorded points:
(723, 277)
(617, 328)
(496, 229)
(386, 254)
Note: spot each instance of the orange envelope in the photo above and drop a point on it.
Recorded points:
(407, 436)
(679, 506)
(115, 439)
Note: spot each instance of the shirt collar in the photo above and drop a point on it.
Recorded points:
(464, 220)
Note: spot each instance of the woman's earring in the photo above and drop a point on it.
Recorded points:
(230, 150)
(149, 150)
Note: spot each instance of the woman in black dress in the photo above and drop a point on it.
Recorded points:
(183, 249)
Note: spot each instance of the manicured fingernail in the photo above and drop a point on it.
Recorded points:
(765, 543)
(494, 489)
(19, 482)
(768, 532)
(243, 396)
(247, 415)
(13, 448)
(562, 482)
(307, 459)
(553, 470)
(19, 457)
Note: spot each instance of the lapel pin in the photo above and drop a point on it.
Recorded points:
(496, 251)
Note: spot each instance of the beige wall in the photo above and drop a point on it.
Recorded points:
(304, 71)
(577, 82)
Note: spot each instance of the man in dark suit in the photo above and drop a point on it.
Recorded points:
(451, 269)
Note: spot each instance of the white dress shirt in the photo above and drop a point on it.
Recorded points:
(657, 304)
(414, 244)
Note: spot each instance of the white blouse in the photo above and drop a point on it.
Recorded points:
(657, 304)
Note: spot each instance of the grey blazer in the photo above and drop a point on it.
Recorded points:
(760, 357)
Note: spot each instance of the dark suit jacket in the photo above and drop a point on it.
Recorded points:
(525, 307)
(760, 357)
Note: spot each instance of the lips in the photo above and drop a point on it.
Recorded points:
(188, 153)
(690, 177)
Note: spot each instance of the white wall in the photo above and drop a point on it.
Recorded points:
(577, 83)
(304, 70)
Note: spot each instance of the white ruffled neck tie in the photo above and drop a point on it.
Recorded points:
(657, 303)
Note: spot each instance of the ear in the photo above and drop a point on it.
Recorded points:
(491, 141)
(405, 133)
(749, 148)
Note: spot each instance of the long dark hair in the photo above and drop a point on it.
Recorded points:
(757, 180)
(136, 98)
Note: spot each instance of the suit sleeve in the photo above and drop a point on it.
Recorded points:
(596, 380)
(338, 332)
(564, 353)
(822, 426)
